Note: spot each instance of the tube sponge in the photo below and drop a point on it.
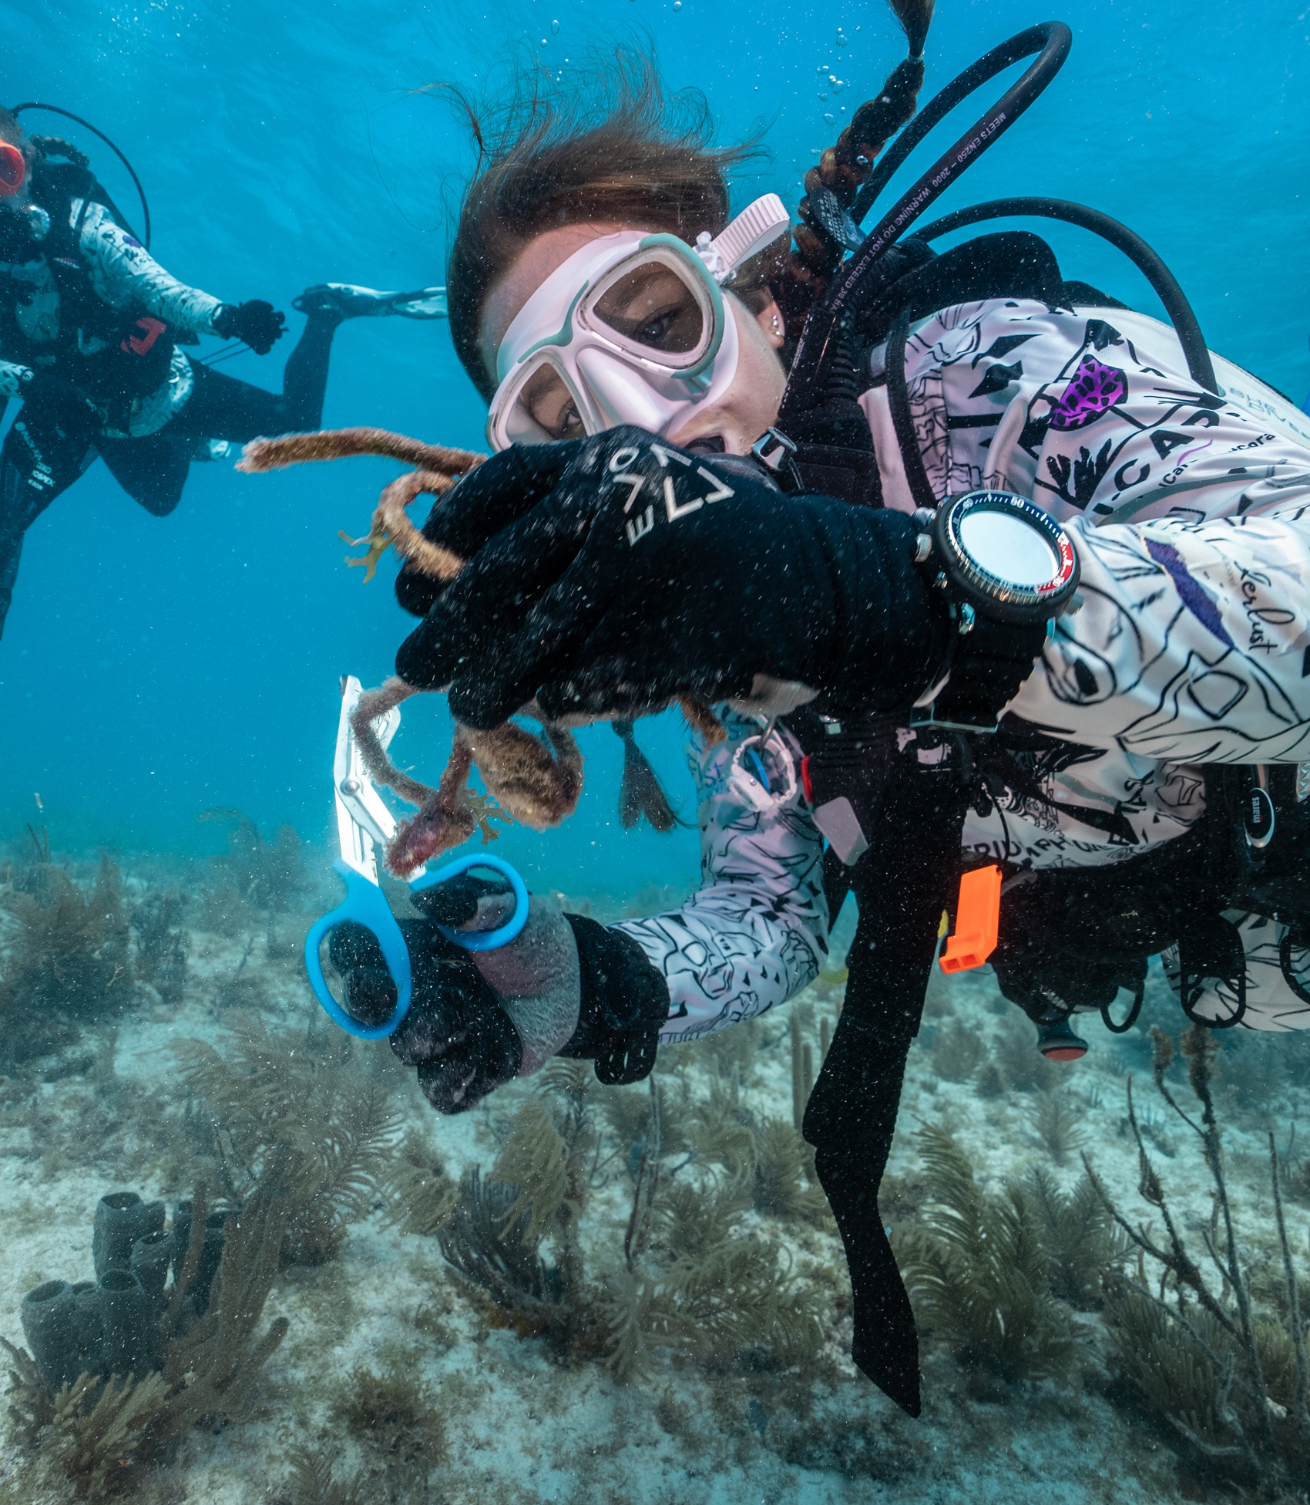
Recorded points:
(49, 1317)
(122, 1218)
(126, 1313)
(151, 1257)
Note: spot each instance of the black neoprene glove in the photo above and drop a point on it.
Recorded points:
(488, 498)
(458, 1032)
(258, 323)
(455, 1032)
(625, 1003)
(635, 572)
(72, 410)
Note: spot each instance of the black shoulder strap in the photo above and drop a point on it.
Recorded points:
(55, 185)
(1009, 264)
(834, 454)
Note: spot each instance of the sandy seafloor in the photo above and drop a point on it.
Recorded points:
(522, 1427)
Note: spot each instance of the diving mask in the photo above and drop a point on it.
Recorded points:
(630, 329)
(13, 170)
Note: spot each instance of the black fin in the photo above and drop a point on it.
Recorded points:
(640, 793)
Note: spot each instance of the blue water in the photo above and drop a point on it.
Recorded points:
(153, 668)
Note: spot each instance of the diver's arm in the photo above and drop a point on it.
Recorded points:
(1193, 645)
(123, 273)
(756, 931)
(12, 377)
(1190, 513)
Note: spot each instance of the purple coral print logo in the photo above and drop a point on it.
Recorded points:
(1093, 390)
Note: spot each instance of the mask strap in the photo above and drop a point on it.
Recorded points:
(759, 224)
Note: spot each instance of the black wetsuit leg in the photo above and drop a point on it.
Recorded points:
(153, 470)
(220, 407)
(41, 457)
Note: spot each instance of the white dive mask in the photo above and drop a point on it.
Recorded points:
(630, 329)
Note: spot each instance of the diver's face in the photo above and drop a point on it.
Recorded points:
(736, 420)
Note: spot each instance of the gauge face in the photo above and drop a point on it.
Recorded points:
(1008, 547)
(1005, 555)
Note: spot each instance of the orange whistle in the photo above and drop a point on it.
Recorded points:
(976, 921)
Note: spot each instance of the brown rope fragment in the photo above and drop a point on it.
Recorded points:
(530, 781)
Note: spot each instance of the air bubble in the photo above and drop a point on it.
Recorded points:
(677, 4)
(828, 118)
(554, 28)
(842, 39)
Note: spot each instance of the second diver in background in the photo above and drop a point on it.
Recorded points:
(90, 326)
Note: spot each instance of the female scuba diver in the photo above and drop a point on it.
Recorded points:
(722, 470)
(89, 329)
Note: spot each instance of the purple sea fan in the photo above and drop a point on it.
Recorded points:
(1093, 390)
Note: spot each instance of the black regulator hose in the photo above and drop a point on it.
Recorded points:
(95, 131)
(1051, 40)
(1131, 244)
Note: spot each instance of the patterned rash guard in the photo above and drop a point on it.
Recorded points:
(123, 274)
(1191, 516)
(756, 931)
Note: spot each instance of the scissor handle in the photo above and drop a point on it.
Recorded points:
(366, 906)
(481, 940)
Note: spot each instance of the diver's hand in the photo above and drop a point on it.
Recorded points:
(70, 407)
(564, 986)
(498, 492)
(645, 572)
(258, 323)
(462, 1042)
(535, 978)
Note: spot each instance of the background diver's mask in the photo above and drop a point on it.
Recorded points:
(13, 170)
(630, 329)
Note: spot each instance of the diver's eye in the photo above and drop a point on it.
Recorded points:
(653, 306)
(568, 423)
(656, 331)
(549, 406)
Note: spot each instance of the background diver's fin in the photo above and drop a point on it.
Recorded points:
(427, 303)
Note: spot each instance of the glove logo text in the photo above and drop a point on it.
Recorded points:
(621, 473)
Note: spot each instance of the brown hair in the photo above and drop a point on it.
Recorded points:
(36, 148)
(13, 135)
(632, 154)
(625, 152)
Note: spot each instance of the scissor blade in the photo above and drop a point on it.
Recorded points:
(362, 818)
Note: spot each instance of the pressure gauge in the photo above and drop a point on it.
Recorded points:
(1003, 556)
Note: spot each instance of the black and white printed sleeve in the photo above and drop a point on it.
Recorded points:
(756, 930)
(1190, 512)
(123, 272)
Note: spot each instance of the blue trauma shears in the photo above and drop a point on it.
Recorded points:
(363, 821)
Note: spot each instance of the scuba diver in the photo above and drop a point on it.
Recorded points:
(90, 327)
(728, 466)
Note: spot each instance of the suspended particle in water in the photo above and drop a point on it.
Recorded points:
(554, 28)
